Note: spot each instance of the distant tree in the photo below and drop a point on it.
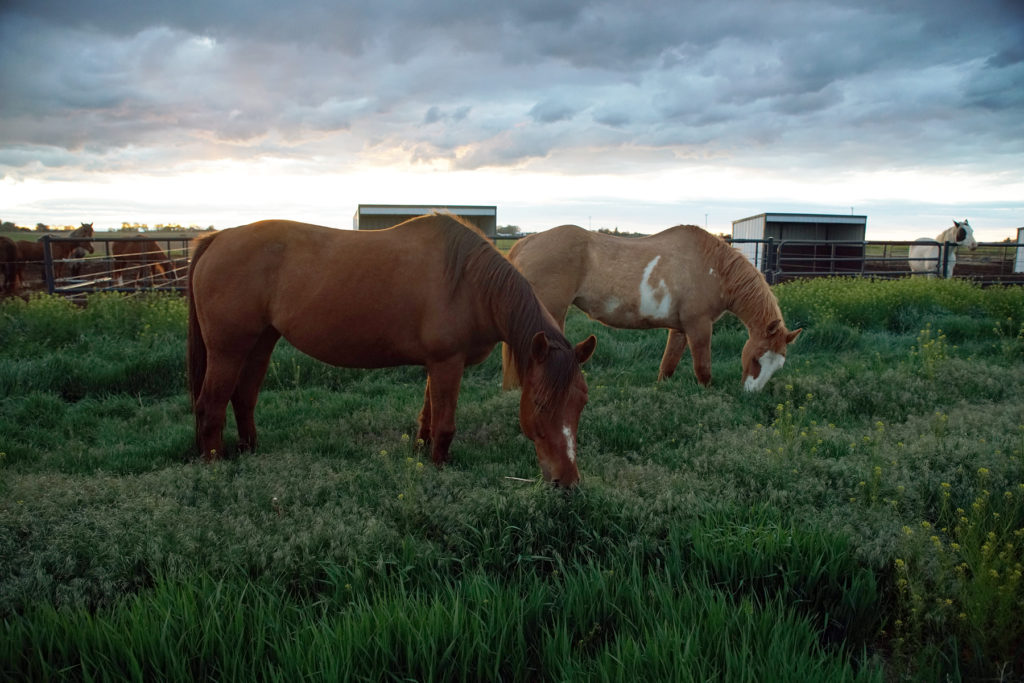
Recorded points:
(133, 227)
(507, 229)
(42, 227)
(8, 226)
(616, 232)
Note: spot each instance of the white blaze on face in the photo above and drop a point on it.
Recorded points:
(570, 444)
(770, 362)
(654, 301)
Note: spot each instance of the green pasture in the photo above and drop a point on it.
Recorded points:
(862, 518)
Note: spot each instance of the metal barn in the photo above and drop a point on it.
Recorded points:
(802, 243)
(380, 216)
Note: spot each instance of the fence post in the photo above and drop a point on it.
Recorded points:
(771, 260)
(47, 264)
(944, 260)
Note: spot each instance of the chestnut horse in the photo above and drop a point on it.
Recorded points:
(60, 249)
(682, 278)
(432, 291)
(140, 259)
(924, 255)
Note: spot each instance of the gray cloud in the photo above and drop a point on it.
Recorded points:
(552, 111)
(483, 84)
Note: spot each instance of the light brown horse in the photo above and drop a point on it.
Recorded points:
(682, 278)
(431, 291)
(141, 260)
(60, 249)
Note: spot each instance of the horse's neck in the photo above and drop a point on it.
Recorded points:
(749, 297)
(947, 235)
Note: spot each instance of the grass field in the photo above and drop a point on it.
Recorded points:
(860, 519)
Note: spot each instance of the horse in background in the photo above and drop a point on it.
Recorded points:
(8, 263)
(682, 278)
(432, 291)
(142, 260)
(923, 255)
(61, 249)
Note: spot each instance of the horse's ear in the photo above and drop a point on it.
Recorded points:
(585, 349)
(791, 337)
(539, 347)
(773, 326)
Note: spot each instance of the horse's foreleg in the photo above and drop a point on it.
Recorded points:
(674, 348)
(424, 431)
(243, 400)
(443, 389)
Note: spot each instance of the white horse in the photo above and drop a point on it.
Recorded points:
(924, 254)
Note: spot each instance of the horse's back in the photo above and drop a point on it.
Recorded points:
(557, 249)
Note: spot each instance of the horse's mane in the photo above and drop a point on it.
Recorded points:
(471, 261)
(745, 290)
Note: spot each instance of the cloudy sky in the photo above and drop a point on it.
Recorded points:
(632, 114)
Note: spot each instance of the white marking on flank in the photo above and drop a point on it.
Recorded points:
(654, 301)
(711, 271)
(770, 362)
(611, 304)
(570, 444)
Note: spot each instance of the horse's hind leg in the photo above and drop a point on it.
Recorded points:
(700, 349)
(243, 400)
(222, 369)
(674, 348)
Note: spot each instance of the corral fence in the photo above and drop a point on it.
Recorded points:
(118, 264)
(781, 260)
(163, 263)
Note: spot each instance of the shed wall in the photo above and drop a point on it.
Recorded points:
(750, 229)
(381, 216)
(1018, 262)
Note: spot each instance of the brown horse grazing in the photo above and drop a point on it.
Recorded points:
(140, 259)
(8, 263)
(431, 291)
(60, 249)
(682, 278)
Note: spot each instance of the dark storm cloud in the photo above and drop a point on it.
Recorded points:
(501, 84)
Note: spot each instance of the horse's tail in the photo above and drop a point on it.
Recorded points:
(509, 372)
(195, 354)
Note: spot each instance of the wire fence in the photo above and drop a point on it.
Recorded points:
(136, 264)
(118, 264)
(781, 260)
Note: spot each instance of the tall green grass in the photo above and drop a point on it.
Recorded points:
(845, 523)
